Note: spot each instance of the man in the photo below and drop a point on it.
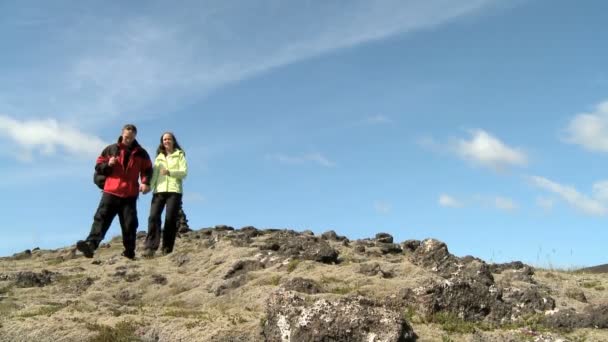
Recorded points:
(123, 163)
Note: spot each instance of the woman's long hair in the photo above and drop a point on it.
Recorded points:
(161, 147)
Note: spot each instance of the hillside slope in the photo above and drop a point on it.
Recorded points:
(222, 284)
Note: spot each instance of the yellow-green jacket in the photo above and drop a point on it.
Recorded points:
(178, 170)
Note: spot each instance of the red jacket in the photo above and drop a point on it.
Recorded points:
(121, 180)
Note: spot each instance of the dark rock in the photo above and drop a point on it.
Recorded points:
(223, 227)
(329, 235)
(250, 231)
(27, 254)
(410, 245)
(515, 265)
(527, 300)
(230, 284)
(308, 232)
(576, 294)
(523, 274)
(243, 266)
(125, 296)
(33, 279)
(389, 248)
(132, 277)
(182, 223)
(82, 284)
(290, 244)
(469, 301)
(180, 259)
(302, 285)
(159, 279)
(384, 238)
(373, 269)
(291, 317)
(592, 317)
(434, 255)
(359, 249)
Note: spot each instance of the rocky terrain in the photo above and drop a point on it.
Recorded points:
(248, 284)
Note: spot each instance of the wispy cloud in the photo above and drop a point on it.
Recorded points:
(496, 202)
(378, 119)
(545, 203)
(449, 201)
(586, 204)
(484, 149)
(590, 130)
(504, 203)
(382, 207)
(196, 197)
(48, 137)
(315, 157)
(138, 62)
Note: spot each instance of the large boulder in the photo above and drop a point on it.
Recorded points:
(290, 244)
(291, 317)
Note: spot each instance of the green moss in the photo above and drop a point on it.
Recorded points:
(451, 323)
(43, 311)
(121, 332)
(591, 284)
(195, 314)
(292, 265)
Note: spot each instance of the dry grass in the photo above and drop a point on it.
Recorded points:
(110, 298)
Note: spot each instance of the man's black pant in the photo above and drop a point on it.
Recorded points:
(109, 207)
(173, 202)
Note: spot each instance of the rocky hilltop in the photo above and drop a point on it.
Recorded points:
(248, 284)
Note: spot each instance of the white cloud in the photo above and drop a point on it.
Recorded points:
(590, 130)
(449, 201)
(546, 203)
(496, 202)
(504, 203)
(600, 190)
(487, 150)
(48, 137)
(314, 157)
(382, 207)
(586, 204)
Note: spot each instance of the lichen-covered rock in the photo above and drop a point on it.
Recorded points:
(293, 245)
(290, 317)
(591, 317)
(33, 279)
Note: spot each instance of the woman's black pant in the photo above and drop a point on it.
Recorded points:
(160, 200)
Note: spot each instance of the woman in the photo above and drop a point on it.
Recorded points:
(170, 168)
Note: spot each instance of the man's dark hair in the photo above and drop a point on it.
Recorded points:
(130, 127)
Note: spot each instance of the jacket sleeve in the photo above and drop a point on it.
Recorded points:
(182, 168)
(146, 170)
(101, 165)
(154, 180)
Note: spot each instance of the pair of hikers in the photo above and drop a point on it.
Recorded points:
(123, 165)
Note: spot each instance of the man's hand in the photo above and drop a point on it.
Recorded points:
(164, 172)
(144, 188)
(113, 160)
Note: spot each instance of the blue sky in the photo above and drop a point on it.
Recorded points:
(481, 123)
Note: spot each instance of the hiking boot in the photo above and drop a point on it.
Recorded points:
(86, 248)
(148, 253)
(128, 254)
(166, 251)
